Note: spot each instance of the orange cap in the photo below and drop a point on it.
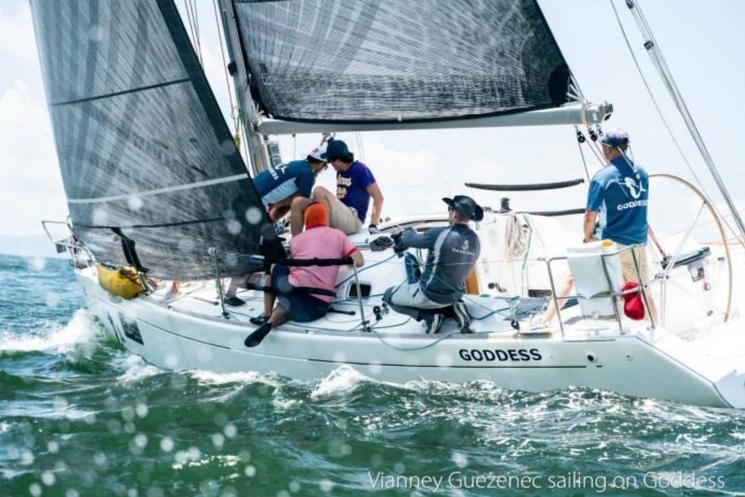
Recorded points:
(316, 215)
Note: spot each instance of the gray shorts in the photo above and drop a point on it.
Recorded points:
(411, 295)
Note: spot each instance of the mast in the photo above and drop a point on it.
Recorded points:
(257, 149)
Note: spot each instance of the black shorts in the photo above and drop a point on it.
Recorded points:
(299, 306)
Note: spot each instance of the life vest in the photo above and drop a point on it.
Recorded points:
(120, 281)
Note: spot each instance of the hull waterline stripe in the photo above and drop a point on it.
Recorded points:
(158, 191)
(444, 367)
(118, 93)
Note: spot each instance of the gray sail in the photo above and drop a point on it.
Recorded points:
(399, 60)
(142, 144)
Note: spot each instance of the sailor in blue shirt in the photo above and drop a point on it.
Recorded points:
(619, 193)
(453, 251)
(280, 186)
(617, 205)
(616, 210)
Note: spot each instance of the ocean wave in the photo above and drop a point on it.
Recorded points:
(79, 331)
(244, 377)
(135, 369)
(342, 380)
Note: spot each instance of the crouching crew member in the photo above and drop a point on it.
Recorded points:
(280, 186)
(453, 251)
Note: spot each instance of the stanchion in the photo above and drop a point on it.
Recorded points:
(363, 319)
(218, 282)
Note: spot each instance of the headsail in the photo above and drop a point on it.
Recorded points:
(399, 60)
(141, 141)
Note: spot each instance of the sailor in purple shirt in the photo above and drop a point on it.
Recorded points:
(355, 186)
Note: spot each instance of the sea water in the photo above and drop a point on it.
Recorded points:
(79, 417)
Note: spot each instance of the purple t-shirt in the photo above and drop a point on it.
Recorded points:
(351, 188)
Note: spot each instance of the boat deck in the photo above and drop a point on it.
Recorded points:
(490, 315)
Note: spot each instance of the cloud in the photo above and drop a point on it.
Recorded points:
(29, 176)
(17, 33)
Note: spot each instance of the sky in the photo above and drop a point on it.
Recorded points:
(705, 48)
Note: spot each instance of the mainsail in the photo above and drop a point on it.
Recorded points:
(399, 61)
(142, 145)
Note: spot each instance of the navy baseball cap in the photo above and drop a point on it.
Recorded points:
(466, 206)
(336, 149)
(615, 138)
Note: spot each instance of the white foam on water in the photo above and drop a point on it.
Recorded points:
(135, 368)
(243, 377)
(80, 330)
(341, 380)
(281, 404)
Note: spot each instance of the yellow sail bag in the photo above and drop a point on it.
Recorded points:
(120, 281)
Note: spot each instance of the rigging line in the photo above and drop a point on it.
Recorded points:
(582, 154)
(665, 73)
(596, 149)
(655, 103)
(197, 41)
(192, 30)
(158, 191)
(360, 149)
(195, 15)
(225, 69)
(188, 18)
(596, 153)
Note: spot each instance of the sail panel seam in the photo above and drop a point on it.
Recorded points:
(157, 191)
(118, 93)
(142, 226)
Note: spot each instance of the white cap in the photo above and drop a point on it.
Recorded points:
(318, 153)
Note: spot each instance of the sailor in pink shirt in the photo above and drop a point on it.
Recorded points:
(293, 286)
(319, 241)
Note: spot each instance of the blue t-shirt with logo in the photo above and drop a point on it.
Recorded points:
(620, 191)
(278, 183)
(351, 188)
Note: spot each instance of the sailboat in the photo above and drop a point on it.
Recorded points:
(155, 183)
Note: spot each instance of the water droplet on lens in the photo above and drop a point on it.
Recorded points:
(135, 203)
(141, 440)
(459, 459)
(166, 445)
(48, 478)
(253, 215)
(230, 430)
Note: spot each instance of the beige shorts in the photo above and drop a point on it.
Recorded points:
(343, 217)
(628, 269)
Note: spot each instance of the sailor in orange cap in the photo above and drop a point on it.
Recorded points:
(305, 292)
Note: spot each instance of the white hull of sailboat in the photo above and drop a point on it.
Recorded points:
(659, 366)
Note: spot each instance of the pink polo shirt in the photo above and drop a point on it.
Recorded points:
(320, 242)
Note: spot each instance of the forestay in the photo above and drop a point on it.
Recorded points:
(142, 145)
(399, 60)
